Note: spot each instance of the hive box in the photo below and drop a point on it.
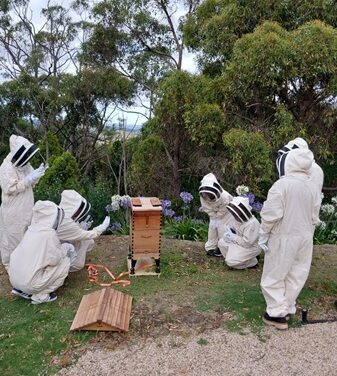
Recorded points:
(145, 239)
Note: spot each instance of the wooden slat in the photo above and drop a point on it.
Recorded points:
(106, 309)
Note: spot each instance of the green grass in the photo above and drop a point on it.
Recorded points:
(193, 291)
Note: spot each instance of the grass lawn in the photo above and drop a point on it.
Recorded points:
(194, 293)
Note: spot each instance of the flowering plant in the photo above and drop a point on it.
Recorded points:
(326, 231)
(119, 214)
(243, 190)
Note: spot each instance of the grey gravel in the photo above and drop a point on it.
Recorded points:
(308, 350)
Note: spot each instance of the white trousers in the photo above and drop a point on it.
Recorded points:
(81, 248)
(285, 271)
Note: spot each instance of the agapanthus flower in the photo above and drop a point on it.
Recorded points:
(115, 202)
(166, 204)
(257, 206)
(168, 212)
(186, 197)
(115, 226)
(108, 209)
(334, 200)
(334, 232)
(322, 225)
(178, 218)
(251, 197)
(327, 209)
(242, 190)
(125, 202)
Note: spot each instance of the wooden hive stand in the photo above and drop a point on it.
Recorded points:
(106, 310)
(145, 239)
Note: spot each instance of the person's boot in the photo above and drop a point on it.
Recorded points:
(277, 322)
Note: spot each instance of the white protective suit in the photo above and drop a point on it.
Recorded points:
(39, 264)
(316, 173)
(17, 195)
(218, 213)
(76, 208)
(288, 218)
(240, 248)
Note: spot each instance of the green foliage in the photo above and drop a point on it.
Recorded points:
(326, 232)
(63, 173)
(248, 158)
(186, 229)
(150, 161)
(205, 123)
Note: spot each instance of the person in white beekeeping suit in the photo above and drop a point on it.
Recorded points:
(40, 263)
(239, 244)
(17, 179)
(316, 173)
(75, 230)
(288, 217)
(214, 199)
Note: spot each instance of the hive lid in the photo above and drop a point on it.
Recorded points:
(146, 204)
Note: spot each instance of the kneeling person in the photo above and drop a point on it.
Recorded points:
(40, 263)
(71, 230)
(239, 244)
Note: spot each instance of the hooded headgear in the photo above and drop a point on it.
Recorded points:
(296, 143)
(297, 160)
(47, 214)
(21, 150)
(74, 205)
(210, 185)
(240, 209)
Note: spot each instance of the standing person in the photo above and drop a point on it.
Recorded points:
(240, 240)
(316, 173)
(40, 263)
(17, 179)
(75, 232)
(288, 217)
(214, 200)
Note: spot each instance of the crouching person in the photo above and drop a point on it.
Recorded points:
(40, 263)
(74, 231)
(239, 244)
(213, 199)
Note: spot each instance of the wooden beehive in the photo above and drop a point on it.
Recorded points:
(106, 310)
(145, 239)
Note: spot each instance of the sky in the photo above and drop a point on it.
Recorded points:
(188, 59)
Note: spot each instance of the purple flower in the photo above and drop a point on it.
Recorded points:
(125, 202)
(109, 208)
(251, 198)
(186, 197)
(257, 206)
(178, 218)
(169, 212)
(166, 204)
(115, 226)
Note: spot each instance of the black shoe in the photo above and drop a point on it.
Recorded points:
(277, 322)
(51, 298)
(214, 252)
(20, 293)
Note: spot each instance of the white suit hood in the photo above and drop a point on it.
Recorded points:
(21, 150)
(47, 215)
(210, 184)
(74, 205)
(296, 161)
(240, 209)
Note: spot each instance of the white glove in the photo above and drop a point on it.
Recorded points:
(86, 224)
(35, 175)
(228, 235)
(71, 252)
(263, 241)
(102, 227)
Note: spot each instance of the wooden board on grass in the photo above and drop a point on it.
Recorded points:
(105, 310)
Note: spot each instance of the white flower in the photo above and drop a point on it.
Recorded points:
(322, 226)
(334, 232)
(327, 209)
(242, 190)
(334, 200)
(115, 199)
